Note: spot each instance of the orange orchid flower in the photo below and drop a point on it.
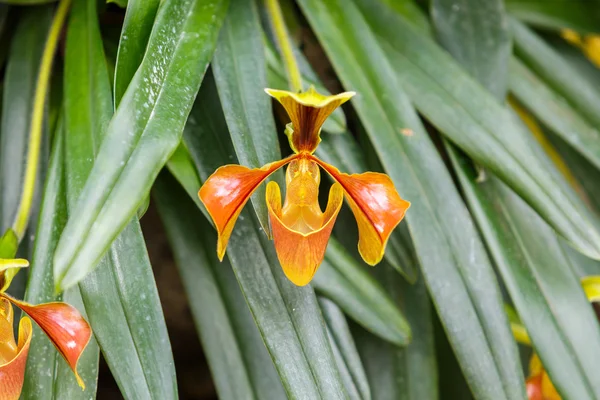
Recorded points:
(300, 229)
(62, 323)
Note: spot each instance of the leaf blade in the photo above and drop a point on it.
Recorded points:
(474, 121)
(120, 296)
(462, 272)
(183, 38)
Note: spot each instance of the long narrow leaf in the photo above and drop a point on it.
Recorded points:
(579, 15)
(473, 120)
(453, 260)
(239, 362)
(19, 84)
(408, 373)
(120, 296)
(137, 26)
(345, 351)
(143, 133)
(342, 280)
(556, 71)
(41, 360)
(554, 111)
(541, 282)
(485, 27)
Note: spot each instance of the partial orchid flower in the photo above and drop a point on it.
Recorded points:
(62, 323)
(539, 386)
(300, 228)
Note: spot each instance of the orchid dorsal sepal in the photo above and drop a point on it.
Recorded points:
(301, 230)
(308, 111)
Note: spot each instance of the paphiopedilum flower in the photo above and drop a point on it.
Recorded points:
(300, 228)
(62, 323)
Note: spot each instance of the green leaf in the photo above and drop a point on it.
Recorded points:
(554, 111)
(137, 26)
(182, 168)
(287, 316)
(474, 121)
(541, 281)
(557, 72)
(239, 363)
(476, 34)
(345, 351)
(143, 133)
(120, 296)
(579, 15)
(342, 280)
(344, 152)
(454, 263)
(120, 3)
(27, 2)
(42, 357)
(411, 11)
(19, 86)
(239, 69)
(584, 172)
(408, 373)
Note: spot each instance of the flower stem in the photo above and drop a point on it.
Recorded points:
(35, 133)
(283, 39)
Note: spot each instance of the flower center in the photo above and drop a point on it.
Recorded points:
(301, 211)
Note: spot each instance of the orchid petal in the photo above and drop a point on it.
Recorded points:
(308, 111)
(13, 357)
(300, 254)
(64, 326)
(377, 207)
(533, 386)
(227, 190)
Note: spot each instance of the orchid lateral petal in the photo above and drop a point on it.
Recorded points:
(377, 207)
(64, 326)
(308, 111)
(227, 190)
(301, 254)
(14, 358)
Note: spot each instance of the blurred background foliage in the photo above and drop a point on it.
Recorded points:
(486, 115)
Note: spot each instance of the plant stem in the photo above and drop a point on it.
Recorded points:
(35, 133)
(283, 39)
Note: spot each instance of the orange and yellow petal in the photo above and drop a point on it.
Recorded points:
(300, 254)
(533, 387)
(308, 111)
(377, 207)
(227, 190)
(64, 326)
(13, 357)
